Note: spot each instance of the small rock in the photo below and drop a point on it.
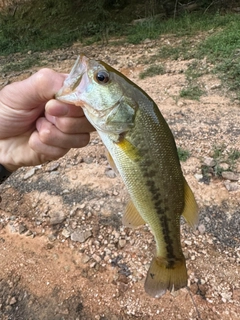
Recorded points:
(57, 217)
(198, 176)
(96, 258)
(22, 228)
(28, 233)
(147, 40)
(52, 166)
(224, 166)
(110, 173)
(12, 228)
(209, 162)
(65, 191)
(122, 243)
(231, 186)
(201, 228)
(88, 160)
(66, 233)
(12, 301)
(52, 237)
(229, 175)
(85, 258)
(29, 173)
(93, 264)
(81, 235)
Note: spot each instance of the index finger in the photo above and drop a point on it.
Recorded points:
(58, 108)
(33, 91)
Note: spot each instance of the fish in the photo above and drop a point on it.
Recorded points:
(142, 149)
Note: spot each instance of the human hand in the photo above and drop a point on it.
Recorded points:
(34, 127)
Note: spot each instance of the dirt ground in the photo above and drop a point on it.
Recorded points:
(64, 253)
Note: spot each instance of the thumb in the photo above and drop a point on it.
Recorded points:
(33, 91)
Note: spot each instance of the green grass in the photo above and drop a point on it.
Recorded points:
(57, 24)
(192, 92)
(220, 46)
(23, 64)
(51, 24)
(222, 50)
(183, 154)
(185, 25)
(152, 71)
(222, 155)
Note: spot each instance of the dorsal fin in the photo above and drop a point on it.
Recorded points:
(131, 217)
(190, 211)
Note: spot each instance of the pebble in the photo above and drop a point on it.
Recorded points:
(12, 228)
(22, 228)
(85, 258)
(52, 237)
(81, 235)
(96, 258)
(209, 162)
(29, 173)
(52, 166)
(198, 176)
(231, 186)
(224, 166)
(201, 228)
(122, 243)
(57, 217)
(66, 233)
(110, 173)
(88, 160)
(12, 301)
(229, 175)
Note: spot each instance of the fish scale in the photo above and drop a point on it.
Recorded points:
(142, 148)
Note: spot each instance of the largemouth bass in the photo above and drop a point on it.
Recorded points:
(142, 148)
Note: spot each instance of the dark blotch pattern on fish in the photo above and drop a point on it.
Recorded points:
(149, 174)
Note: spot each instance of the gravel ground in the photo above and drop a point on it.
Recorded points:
(64, 252)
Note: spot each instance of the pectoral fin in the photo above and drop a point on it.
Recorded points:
(131, 217)
(129, 149)
(190, 212)
(111, 162)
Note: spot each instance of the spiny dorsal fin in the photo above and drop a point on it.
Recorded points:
(131, 217)
(190, 211)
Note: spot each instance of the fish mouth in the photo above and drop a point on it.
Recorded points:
(75, 82)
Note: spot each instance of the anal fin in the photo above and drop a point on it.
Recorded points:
(190, 211)
(131, 217)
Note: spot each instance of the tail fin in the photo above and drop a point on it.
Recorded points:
(161, 278)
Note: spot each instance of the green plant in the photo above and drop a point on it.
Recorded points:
(218, 152)
(183, 154)
(26, 63)
(192, 92)
(152, 71)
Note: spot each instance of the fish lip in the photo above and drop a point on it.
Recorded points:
(70, 90)
(75, 81)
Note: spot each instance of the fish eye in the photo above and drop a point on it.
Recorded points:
(102, 77)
